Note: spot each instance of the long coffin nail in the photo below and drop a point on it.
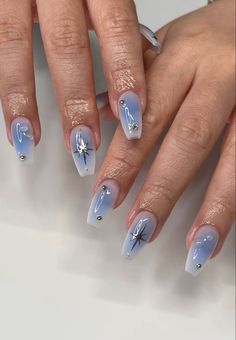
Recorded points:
(130, 113)
(23, 139)
(102, 100)
(202, 248)
(103, 202)
(151, 37)
(83, 150)
(140, 233)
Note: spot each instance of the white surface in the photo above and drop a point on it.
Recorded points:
(61, 280)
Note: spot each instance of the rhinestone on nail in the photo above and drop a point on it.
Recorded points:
(199, 266)
(99, 218)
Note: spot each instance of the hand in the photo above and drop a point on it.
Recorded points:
(191, 85)
(64, 26)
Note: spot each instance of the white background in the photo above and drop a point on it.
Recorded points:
(61, 280)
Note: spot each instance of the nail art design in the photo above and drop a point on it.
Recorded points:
(103, 202)
(102, 100)
(83, 150)
(23, 139)
(130, 115)
(203, 246)
(140, 233)
(151, 37)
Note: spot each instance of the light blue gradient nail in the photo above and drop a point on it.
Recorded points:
(102, 100)
(202, 248)
(139, 234)
(103, 202)
(23, 139)
(83, 150)
(130, 113)
(151, 37)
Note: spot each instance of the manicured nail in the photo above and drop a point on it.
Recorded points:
(83, 150)
(130, 113)
(102, 100)
(151, 37)
(23, 139)
(103, 202)
(140, 233)
(202, 248)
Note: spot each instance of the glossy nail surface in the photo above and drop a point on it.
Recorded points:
(23, 139)
(102, 202)
(140, 233)
(102, 100)
(151, 37)
(202, 248)
(83, 150)
(130, 114)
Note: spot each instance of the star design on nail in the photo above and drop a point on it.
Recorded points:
(138, 236)
(82, 148)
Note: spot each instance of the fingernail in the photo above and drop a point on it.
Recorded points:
(151, 37)
(102, 202)
(202, 248)
(83, 150)
(23, 139)
(130, 113)
(102, 100)
(140, 233)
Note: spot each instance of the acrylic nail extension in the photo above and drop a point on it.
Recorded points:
(130, 113)
(102, 202)
(102, 100)
(140, 233)
(202, 248)
(151, 37)
(23, 139)
(83, 150)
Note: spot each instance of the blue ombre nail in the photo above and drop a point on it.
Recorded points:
(130, 113)
(139, 234)
(23, 139)
(102, 100)
(151, 37)
(103, 202)
(202, 248)
(83, 150)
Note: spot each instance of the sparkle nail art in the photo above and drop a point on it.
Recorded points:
(151, 37)
(140, 233)
(102, 100)
(83, 150)
(23, 139)
(130, 113)
(202, 248)
(102, 202)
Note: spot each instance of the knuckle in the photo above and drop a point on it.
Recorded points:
(162, 189)
(223, 205)
(12, 34)
(120, 167)
(194, 134)
(64, 37)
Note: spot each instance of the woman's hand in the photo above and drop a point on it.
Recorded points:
(64, 26)
(192, 86)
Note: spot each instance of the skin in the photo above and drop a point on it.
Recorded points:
(191, 88)
(64, 26)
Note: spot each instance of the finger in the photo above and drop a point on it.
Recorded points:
(217, 213)
(66, 41)
(17, 87)
(192, 135)
(124, 158)
(117, 27)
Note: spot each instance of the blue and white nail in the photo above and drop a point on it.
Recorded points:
(202, 248)
(23, 139)
(103, 202)
(102, 100)
(130, 113)
(139, 234)
(151, 37)
(83, 150)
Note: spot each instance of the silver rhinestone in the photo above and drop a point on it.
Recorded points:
(99, 218)
(104, 187)
(134, 127)
(122, 103)
(199, 266)
(22, 157)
